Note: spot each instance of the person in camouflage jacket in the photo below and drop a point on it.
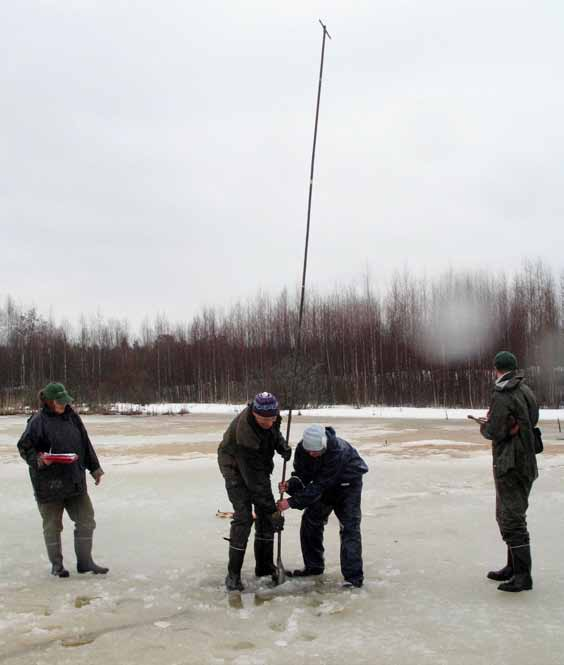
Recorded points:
(511, 427)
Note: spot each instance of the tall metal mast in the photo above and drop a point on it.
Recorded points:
(281, 574)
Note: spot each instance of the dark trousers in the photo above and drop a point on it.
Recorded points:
(511, 502)
(242, 501)
(345, 501)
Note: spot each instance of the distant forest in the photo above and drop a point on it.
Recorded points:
(418, 342)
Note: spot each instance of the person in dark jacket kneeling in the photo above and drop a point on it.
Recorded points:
(327, 477)
(54, 430)
(511, 426)
(245, 457)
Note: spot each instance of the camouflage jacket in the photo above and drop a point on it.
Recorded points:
(510, 424)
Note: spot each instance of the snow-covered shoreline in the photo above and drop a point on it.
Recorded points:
(333, 411)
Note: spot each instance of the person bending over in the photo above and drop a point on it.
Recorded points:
(245, 458)
(327, 477)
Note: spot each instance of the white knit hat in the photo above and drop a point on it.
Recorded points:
(315, 439)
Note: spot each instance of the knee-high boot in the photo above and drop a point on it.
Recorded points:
(264, 553)
(505, 573)
(55, 554)
(521, 580)
(233, 579)
(83, 550)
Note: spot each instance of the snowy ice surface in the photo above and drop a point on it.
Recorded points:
(429, 537)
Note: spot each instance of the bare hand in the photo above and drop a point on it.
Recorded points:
(282, 505)
(97, 475)
(283, 487)
(42, 461)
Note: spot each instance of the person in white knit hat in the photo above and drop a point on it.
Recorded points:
(327, 477)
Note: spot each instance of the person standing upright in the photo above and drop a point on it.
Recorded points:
(56, 428)
(511, 427)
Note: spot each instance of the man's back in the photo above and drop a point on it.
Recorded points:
(512, 418)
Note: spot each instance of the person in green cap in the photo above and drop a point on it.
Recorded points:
(511, 427)
(57, 449)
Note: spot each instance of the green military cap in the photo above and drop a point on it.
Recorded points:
(56, 392)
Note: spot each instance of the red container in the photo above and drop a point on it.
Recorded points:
(59, 458)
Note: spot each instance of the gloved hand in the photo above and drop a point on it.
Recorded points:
(294, 485)
(286, 453)
(277, 520)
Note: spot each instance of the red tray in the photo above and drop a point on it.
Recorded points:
(59, 458)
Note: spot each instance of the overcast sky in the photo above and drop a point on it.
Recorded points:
(155, 155)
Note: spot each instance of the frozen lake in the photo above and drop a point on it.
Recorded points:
(429, 538)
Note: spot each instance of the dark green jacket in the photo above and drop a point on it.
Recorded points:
(513, 415)
(247, 451)
(48, 432)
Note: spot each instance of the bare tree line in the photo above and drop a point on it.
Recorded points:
(419, 342)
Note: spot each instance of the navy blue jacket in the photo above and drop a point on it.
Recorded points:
(46, 432)
(340, 463)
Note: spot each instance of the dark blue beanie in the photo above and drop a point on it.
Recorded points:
(265, 404)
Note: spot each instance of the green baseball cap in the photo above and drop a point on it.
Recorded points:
(56, 392)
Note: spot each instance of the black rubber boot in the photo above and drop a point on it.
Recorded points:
(55, 554)
(83, 550)
(521, 580)
(305, 572)
(233, 579)
(505, 573)
(264, 553)
(59, 571)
